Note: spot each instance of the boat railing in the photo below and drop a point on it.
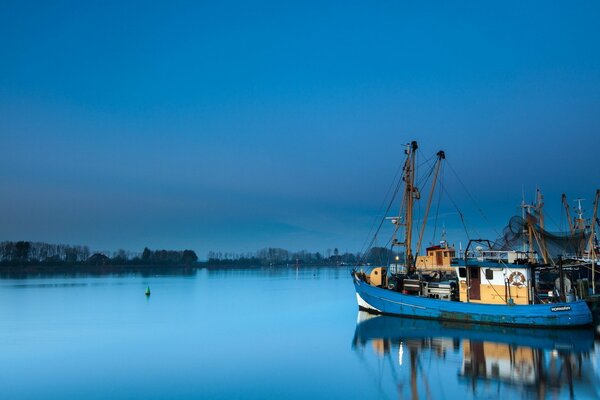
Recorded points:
(508, 256)
(501, 256)
(588, 257)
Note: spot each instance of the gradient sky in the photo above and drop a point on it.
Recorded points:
(232, 126)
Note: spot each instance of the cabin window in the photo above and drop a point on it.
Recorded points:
(489, 274)
(462, 272)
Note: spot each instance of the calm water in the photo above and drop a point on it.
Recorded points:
(266, 333)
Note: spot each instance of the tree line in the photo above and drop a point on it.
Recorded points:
(44, 254)
(26, 253)
(274, 256)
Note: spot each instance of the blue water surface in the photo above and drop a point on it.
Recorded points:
(265, 333)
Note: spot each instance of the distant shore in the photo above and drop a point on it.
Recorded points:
(27, 258)
(16, 271)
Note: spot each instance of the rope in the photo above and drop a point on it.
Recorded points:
(494, 289)
(396, 181)
(462, 217)
(398, 184)
(472, 199)
(424, 182)
(437, 209)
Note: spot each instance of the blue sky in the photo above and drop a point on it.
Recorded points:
(238, 125)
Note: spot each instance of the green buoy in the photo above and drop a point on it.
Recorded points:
(148, 291)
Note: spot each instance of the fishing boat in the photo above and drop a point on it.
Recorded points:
(486, 286)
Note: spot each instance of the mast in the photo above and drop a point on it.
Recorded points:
(444, 241)
(579, 221)
(580, 225)
(530, 250)
(527, 230)
(592, 245)
(411, 193)
(539, 205)
(566, 205)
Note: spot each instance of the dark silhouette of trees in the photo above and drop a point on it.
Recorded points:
(168, 257)
(189, 257)
(43, 254)
(21, 251)
(25, 253)
(98, 259)
(382, 256)
(273, 256)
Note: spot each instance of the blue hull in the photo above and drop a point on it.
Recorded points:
(556, 315)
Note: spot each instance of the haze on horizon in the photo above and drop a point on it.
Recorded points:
(236, 126)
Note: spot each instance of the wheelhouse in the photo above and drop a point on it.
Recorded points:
(495, 278)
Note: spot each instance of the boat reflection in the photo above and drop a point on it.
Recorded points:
(450, 359)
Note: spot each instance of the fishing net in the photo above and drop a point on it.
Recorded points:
(554, 243)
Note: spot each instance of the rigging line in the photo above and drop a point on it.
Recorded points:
(462, 217)
(419, 223)
(424, 179)
(506, 268)
(392, 367)
(422, 184)
(472, 198)
(549, 217)
(399, 183)
(371, 374)
(437, 209)
(389, 242)
(369, 234)
(394, 181)
(424, 379)
(380, 208)
(423, 220)
(426, 161)
(493, 288)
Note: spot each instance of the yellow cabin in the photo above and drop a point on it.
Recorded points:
(496, 284)
(437, 258)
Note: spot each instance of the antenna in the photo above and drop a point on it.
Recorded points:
(579, 222)
(444, 235)
(579, 210)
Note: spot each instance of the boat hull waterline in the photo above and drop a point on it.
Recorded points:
(378, 300)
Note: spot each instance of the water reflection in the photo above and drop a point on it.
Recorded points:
(428, 359)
